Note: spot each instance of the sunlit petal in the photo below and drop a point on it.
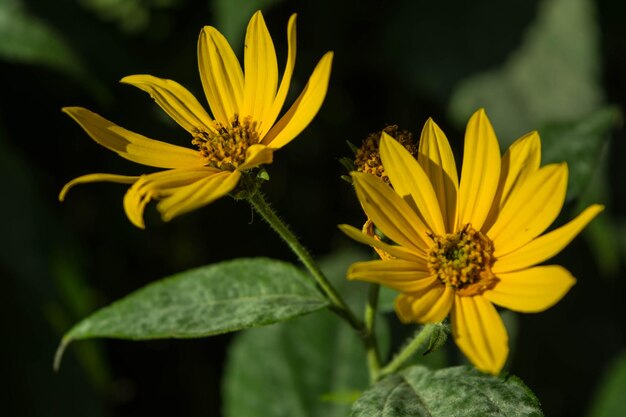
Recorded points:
(411, 182)
(157, 186)
(133, 146)
(198, 194)
(436, 159)
(304, 108)
(520, 161)
(546, 246)
(479, 332)
(221, 75)
(175, 100)
(261, 71)
(533, 207)
(393, 250)
(430, 305)
(480, 172)
(531, 290)
(390, 213)
(401, 275)
(279, 101)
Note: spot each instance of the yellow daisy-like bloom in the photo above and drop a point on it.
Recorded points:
(242, 134)
(461, 248)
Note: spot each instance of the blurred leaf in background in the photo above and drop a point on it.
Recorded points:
(132, 16)
(609, 397)
(579, 143)
(554, 76)
(30, 40)
(29, 234)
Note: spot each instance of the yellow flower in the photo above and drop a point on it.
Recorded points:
(242, 134)
(461, 248)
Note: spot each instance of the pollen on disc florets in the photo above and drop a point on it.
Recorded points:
(463, 261)
(225, 148)
(367, 158)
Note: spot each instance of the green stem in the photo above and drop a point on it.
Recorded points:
(338, 305)
(369, 339)
(421, 337)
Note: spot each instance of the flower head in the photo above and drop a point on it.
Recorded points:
(460, 248)
(242, 134)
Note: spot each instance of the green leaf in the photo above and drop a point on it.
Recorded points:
(295, 369)
(580, 144)
(609, 399)
(553, 76)
(313, 366)
(210, 300)
(29, 40)
(458, 391)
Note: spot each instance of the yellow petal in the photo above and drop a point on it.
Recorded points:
(479, 332)
(390, 213)
(257, 155)
(404, 276)
(436, 158)
(279, 100)
(393, 250)
(175, 100)
(533, 207)
(84, 179)
(428, 306)
(261, 71)
(221, 75)
(157, 186)
(133, 146)
(531, 290)
(546, 246)
(304, 108)
(410, 181)
(480, 172)
(198, 194)
(520, 161)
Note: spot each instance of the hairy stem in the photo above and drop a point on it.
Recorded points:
(419, 340)
(338, 305)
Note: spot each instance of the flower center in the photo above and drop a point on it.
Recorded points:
(226, 147)
(463, 261)
(367, 158)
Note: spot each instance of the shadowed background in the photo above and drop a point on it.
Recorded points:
(552, 65)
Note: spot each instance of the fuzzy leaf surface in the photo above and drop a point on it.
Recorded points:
(459, 391)
(209, 300)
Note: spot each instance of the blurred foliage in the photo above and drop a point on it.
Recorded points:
(131, 15)
(609, 397)
(554, 76)
(288, 370)
(580, 144)
(30, 40)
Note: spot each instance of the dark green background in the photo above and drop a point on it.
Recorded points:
(396, 63)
